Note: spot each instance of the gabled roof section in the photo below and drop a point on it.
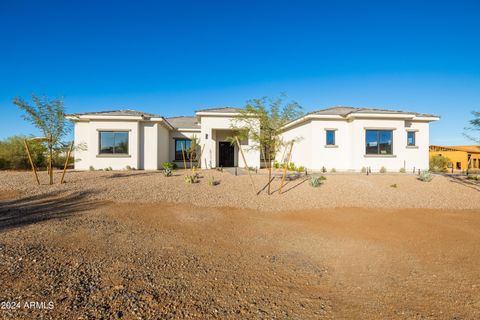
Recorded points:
(121, 113)
(221, 110)
(184, 122)
(345, 111)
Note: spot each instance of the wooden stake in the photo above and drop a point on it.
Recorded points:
(50, 160)
(66, 162)
(183, 155)
(245, 162)
(31, 161)
(285, 169)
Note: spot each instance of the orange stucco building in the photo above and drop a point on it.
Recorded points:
(461, 157)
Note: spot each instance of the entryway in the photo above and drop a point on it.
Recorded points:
(226, 154)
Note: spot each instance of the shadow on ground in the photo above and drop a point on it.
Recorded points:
(473, 184)
(33, 209)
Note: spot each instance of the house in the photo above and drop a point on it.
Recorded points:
(460, 158)
(343, 138)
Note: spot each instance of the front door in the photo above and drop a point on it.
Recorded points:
(226, 154)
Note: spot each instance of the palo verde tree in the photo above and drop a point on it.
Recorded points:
(474, 127)
(261, 121)
(49, 117)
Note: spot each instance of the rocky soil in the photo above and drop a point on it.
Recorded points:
(339, 190)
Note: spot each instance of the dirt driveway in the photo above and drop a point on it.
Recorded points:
(164, 260)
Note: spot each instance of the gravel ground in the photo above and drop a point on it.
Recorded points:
(339, 190)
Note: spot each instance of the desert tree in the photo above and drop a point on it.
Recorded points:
(49, 118)
(472, 131)
(261, 121)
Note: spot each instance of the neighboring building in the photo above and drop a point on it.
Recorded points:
(460, 158)
(343, 138)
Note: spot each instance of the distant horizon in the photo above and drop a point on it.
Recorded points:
(174, 58)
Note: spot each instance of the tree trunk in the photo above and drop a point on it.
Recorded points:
(50, 160)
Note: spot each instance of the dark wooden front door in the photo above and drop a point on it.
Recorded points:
(226, 154)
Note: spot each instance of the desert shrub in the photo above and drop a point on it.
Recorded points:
(425, 176)
(169, 165)
(393, 185)
(315, 181)
(14, 156)
(364, 170)
(324, 169)
(323, 178)
(291, 166)
(91, 168)
(471, 176)
(167, 172)
(276, 165)
(402, 170)
(383, 169)
(212, 182)
(127, 167)
(108, 169)
(300, 169)
(333, 170)
(192, 178)
(438, 163)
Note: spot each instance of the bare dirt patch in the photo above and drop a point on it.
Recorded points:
(164, 260)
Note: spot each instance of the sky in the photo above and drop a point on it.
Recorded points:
(175, 57)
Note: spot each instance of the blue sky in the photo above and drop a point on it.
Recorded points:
(173, 57)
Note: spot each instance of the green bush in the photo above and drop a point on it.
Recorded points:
(323, 178)
(276, 165)
(473, 176)
(300, 169)
(383, 169)
(402, 170)
(91, 168)
(438, 163)
(14, 156)
(192, 178)
(324, 169)
(425, 176)
(291, 167)
(315, 181)
(169, 165)
(167, 172)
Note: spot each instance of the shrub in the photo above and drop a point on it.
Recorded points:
(169, 165)
(301, 169)
(425, 176)
(291, 166)
(393, 185)
(108, 169)
(191, 178)
(276, 165)
(14, 156)
(438, 163)
(213, 182)
(127, 167)
(315, 181)
(473, 176)
(324, 169)
(91, 168)
(167, 172)
(333, 170)
(402, 170)
(323, 178)
(383, 169)
(364, 170)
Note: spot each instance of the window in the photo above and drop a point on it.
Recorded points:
(186, 143)
(379, 142)
(411, 138)
(330, 137)
(113, 142)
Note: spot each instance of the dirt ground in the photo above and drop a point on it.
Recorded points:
(101, 259)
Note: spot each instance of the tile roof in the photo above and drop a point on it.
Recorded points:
(345, 111)
(184, 122)
(221, 110)
(126, 112)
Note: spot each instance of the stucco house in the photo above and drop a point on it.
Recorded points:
(343, 138)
